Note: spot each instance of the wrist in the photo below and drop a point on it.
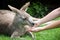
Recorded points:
(40, 21)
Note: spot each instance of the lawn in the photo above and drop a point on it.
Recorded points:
(51, 34)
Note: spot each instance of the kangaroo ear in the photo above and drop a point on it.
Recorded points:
(25, 7)
(13, 8)
(20, 12)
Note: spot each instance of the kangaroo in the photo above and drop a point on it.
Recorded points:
(14, 22)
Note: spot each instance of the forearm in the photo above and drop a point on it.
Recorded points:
(52, 25)
(55, 13)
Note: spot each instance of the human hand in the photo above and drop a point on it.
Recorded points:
(36, 29)
(36, 25)
(33, 29)
(29, 29)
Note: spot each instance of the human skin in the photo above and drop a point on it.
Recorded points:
(52, 25)
(55, 13)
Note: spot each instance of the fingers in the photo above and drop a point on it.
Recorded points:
(33, 29)
(27, 27)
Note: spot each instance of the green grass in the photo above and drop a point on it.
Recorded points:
(51, 34)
